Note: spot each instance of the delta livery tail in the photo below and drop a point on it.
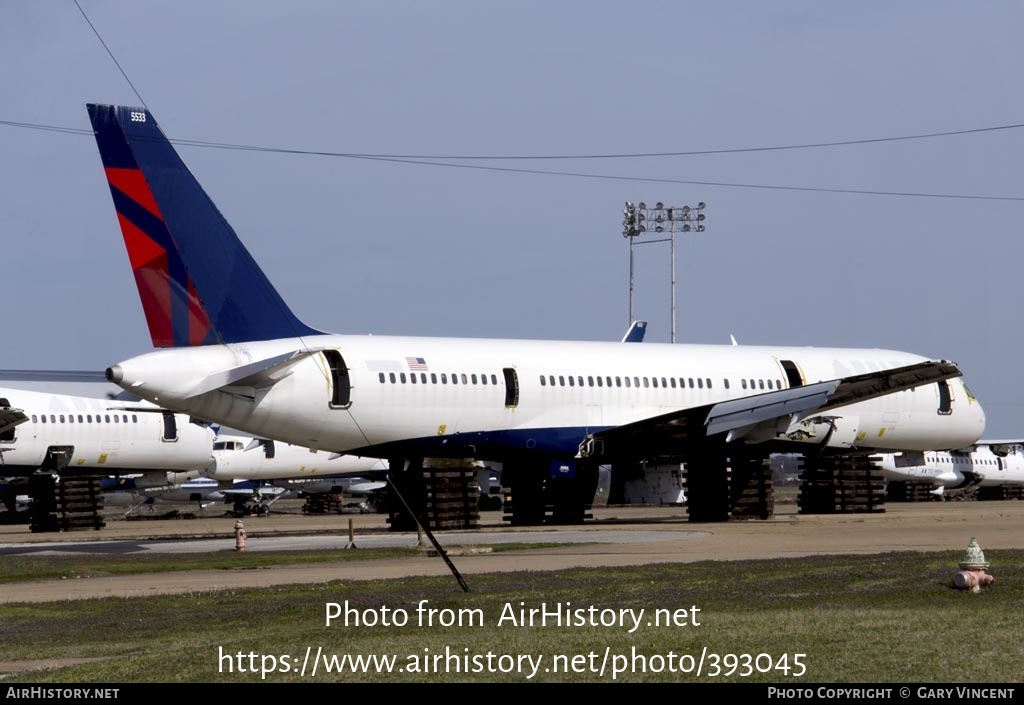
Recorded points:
(548, 412)
(197, 283)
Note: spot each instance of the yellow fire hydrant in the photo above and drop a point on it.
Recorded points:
(972, 575)
(239, 535)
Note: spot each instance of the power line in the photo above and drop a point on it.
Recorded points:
(112, 57)
(572, 174)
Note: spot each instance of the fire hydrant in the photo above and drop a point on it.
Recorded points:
(239, 536)
(972, 575)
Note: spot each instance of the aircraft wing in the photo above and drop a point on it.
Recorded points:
(670, 433)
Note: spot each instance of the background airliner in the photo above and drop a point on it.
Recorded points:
(295, 468)
(980, 469)
(75, 437)
(549, 411)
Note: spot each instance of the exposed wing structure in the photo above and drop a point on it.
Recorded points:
(670, 433)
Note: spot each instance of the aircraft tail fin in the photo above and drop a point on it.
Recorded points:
(635, 333)
(197, 282)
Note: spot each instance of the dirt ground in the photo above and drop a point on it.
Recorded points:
(931, 526)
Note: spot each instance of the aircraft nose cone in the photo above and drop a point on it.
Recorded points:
(115, 374)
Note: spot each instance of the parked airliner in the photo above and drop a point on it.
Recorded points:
(246, 458)
(71, 435)
(986, 464)
(549, 411)
(99, 436)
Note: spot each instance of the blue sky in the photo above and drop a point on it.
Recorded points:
(365, 246)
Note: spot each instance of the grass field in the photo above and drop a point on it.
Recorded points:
(888, 618)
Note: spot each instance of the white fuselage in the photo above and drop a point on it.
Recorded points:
(443, 396)
(107, 437)
(978, 468)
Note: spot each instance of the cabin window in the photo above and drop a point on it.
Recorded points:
(708, 382)
(483, 379)
(380, 375)
(654, 381)
(444, 378)
(433, 378)
(401, 376)
(473, 377)
(423, 377)
(590, 380)
(412, 378)
(600, 381)
(572, 381)
(34, 420)
(391, 376)
(543, 381)
(700, 383)
(464, 379)
(725, 382)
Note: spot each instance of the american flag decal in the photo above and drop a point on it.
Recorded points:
(416, 364)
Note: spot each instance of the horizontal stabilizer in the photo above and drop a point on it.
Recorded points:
(255, 374)
(9, 418)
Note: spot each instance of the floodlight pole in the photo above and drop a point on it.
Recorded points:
(637, 219)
